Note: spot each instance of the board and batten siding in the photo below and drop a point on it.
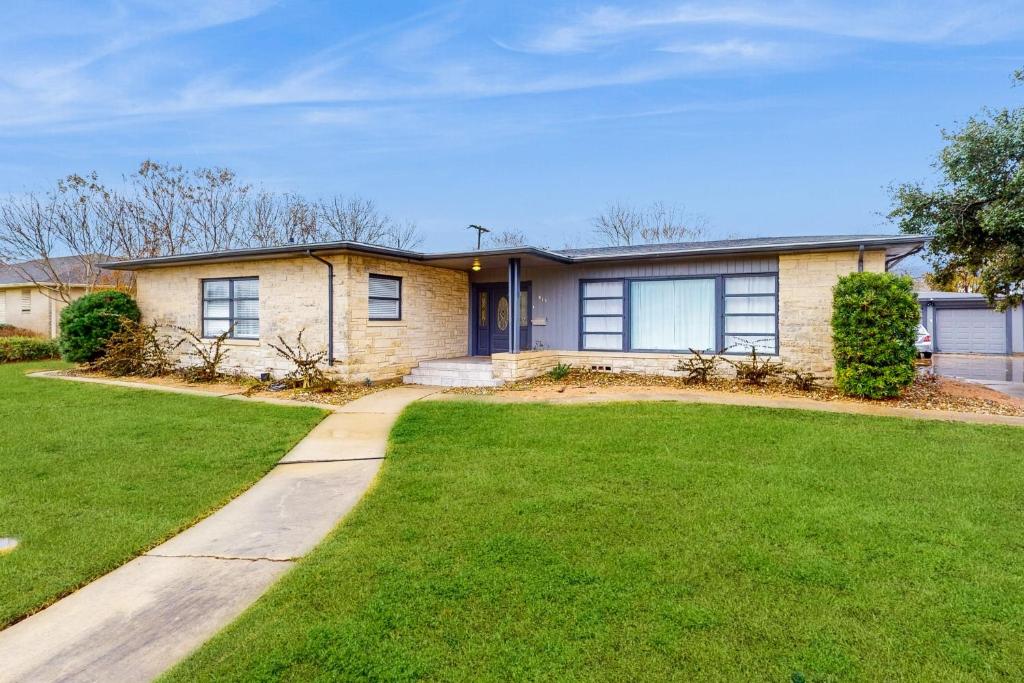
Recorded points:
(556, 289)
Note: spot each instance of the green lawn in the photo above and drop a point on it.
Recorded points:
(658, 541)
(91, 476)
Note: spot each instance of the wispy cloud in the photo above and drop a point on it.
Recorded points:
(913, 21)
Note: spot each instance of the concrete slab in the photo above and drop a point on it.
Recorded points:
(134, 623)
(345, 436)
(280, 518)
(390, 402)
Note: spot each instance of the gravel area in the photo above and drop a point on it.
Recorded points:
(929, 392)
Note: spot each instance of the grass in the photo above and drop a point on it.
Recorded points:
(658, 541)
(91, 476)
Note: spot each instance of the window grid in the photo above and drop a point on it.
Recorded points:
(588, 340)
(232, 300)
(397, 298)
(721, 334)
(772, 337)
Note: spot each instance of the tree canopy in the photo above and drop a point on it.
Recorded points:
(975, 214)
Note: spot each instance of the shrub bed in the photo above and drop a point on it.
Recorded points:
(8, 330)
(874, 327)
(88, 323)
(17, 349)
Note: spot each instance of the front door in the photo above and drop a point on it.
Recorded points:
(494, 318)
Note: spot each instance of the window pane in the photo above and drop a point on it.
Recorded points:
(248, 329)
(482, 314)
(673, 315)
(592, 289)
(385, 287)
(524, 304)
(750, 304)
(610, 324)
(384, 308)
(750, 323)
(757, 284)
(247, 308)
(212, 328)
(216, 289)
(602, 341)
(247, 289)
(602, 306)
(220, 308)
(763, 344)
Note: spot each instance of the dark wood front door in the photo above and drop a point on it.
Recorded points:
(494, 318)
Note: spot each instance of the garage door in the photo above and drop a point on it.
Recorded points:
(970, 330)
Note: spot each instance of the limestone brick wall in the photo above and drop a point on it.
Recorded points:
(434, 324)
(805, 303)
(293, 296)
(510, 367)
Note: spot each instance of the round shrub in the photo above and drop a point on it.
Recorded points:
(874, 328)
(88, 323)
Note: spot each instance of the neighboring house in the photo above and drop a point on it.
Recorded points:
(966, 323)
(27, 299)
(517, 311)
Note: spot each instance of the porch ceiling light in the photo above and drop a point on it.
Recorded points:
(476, 265)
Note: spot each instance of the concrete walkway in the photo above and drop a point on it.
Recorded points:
(139, 620)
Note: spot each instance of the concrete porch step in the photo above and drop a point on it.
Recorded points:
(454, 372)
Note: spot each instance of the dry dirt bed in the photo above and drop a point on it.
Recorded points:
(340, 394)
(928, 392)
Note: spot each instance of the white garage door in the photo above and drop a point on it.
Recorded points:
(970, 330)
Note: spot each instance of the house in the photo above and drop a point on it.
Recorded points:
(961, 322)
(28, 293)
(487, 316)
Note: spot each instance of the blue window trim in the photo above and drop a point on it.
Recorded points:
(231, 299)
(720, 314)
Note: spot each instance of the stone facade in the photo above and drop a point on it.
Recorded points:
(43, 311)
(515, 366)
(293, 293)
(805, 303)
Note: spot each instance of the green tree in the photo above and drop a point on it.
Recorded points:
(975, 215)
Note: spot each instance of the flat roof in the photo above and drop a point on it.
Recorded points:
(895, 246)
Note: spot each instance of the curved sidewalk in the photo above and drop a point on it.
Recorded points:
(139, 620)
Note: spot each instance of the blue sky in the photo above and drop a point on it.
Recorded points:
(768, 118)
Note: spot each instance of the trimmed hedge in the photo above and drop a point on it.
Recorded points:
(874, 328)
(87, 324)
(17, 349)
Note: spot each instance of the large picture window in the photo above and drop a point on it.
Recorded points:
(232, 305)
(385, 297)
(721, 313)
(750, 303)
(603, 312)
(672, 315)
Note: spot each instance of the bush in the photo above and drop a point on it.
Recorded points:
(874, 327)
(88, 323)
(560, 371)
(16, 349)
(137, 349)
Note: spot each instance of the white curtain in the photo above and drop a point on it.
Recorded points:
(672, 315)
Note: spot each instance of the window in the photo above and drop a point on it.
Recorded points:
(720, 313)
(672, 315)
(750, 307)
(26, 301)
(385, 297)
(602, 309)
(233, 306)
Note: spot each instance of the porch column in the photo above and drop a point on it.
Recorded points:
(513, 304)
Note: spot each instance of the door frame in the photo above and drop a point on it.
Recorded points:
(526, 337)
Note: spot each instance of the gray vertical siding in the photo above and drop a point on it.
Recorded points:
(556, 288)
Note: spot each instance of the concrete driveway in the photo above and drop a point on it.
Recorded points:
(1001, 373)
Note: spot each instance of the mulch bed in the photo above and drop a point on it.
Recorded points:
(338, 394)
(928, 392)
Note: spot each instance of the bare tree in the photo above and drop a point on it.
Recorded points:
(215, 208)
(624, 224)
(503, 239)
(404, 236)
